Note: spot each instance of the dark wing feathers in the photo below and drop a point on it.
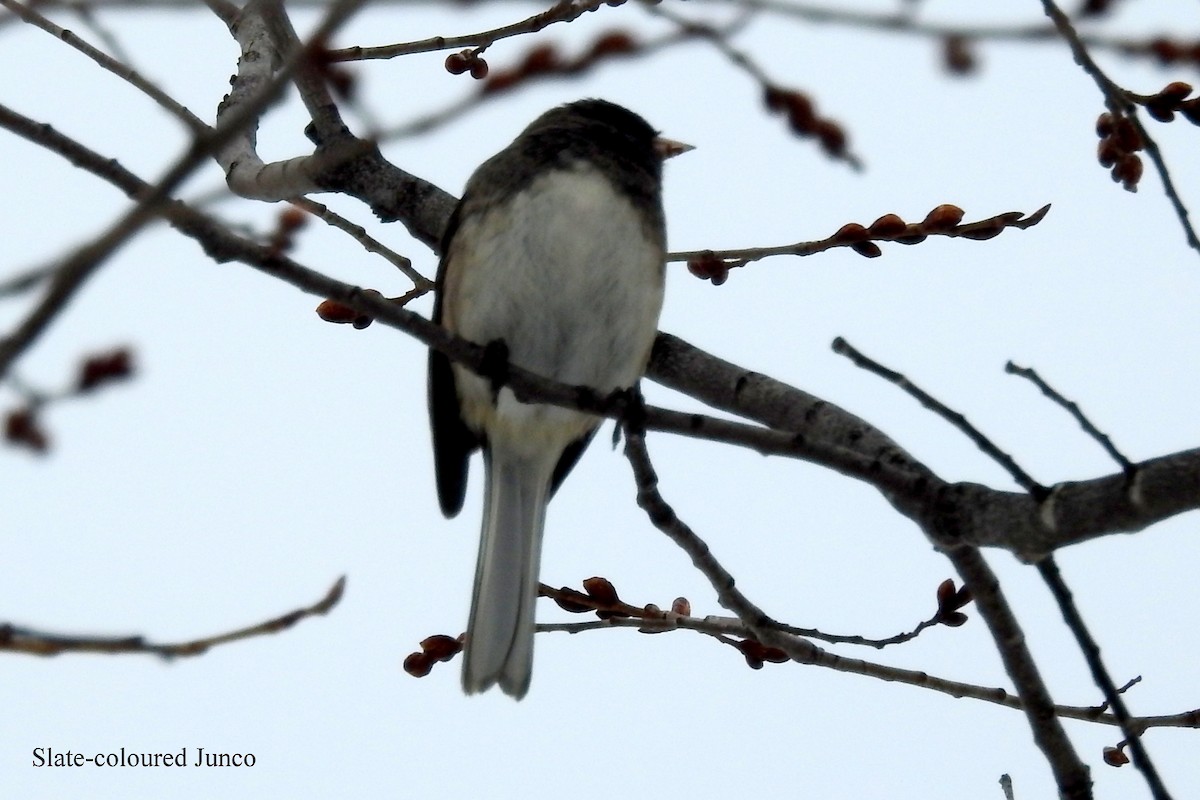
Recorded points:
(568, 459)
(453, 441)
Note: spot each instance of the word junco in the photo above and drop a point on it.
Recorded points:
(557, 251)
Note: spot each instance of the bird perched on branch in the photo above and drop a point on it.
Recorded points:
(555, 259)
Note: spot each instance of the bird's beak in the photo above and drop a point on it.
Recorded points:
(669, 148)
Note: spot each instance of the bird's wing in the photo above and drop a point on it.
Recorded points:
(453, 441)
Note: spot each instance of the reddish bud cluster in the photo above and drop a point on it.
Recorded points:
(893, 228)
(468, 60)
(804, 120)
(708, 267)
(564, 601)
(433, 649)
(601, 590)
(1115, 756)
(949, 601)
(958, 56)
(102, 368)
(23, 426)
(1169, 52)
(756, 653)
(603, 593)
(1119, 143)
(22, 429)
(1172, 98)
(545, 59)
(340, 313)
(887, 226)
(598, 595)
(289, 222)
(943, 220)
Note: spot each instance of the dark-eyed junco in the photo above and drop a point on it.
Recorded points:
(556, 250)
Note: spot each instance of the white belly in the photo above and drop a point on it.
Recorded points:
(573, 285)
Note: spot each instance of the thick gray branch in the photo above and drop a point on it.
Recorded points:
(956, 514)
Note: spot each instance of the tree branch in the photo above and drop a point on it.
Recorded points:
(25, 640)
(80, 266)
(1115, 99)
(729, 626)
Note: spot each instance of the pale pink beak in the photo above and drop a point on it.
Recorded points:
(669, 148)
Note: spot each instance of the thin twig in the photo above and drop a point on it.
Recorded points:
(1048, 569)
(764, 628)
(562, 11)
(25, 640)
(1075, 411)
(79, 267)
(852, 235)
(719, 39)
(904, 23)
(1070, 773)
(1118, 103)
(1023, 479)
(90, 19)
(653, 619)
(368, 242)
(225, 11)
(30, 278)
(486, 92)
(122, 71)
(718, 626)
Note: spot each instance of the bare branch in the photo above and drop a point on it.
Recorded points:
(1048, 569)
(369, 243)
(764, 628)
(562, 11)
(122, 71)
(1114, 98)
(261, 58)
(226, 11)
(842, 347)
(80, 266)
(964, 513)
(29, 279)
(540, 63)
(944, 220)
(718, 626)
(25, 640)
(1075, 411)
(1070, 773)
(23, 426)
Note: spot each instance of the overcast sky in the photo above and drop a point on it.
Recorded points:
(261, 453)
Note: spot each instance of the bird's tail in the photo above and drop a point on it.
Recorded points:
(499, 647)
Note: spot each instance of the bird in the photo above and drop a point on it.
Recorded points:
(555, 258)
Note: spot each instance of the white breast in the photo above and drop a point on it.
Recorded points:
(569, 277)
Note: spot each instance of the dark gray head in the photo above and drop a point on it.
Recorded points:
(600, 125)
(612, 139)
(615, 140)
